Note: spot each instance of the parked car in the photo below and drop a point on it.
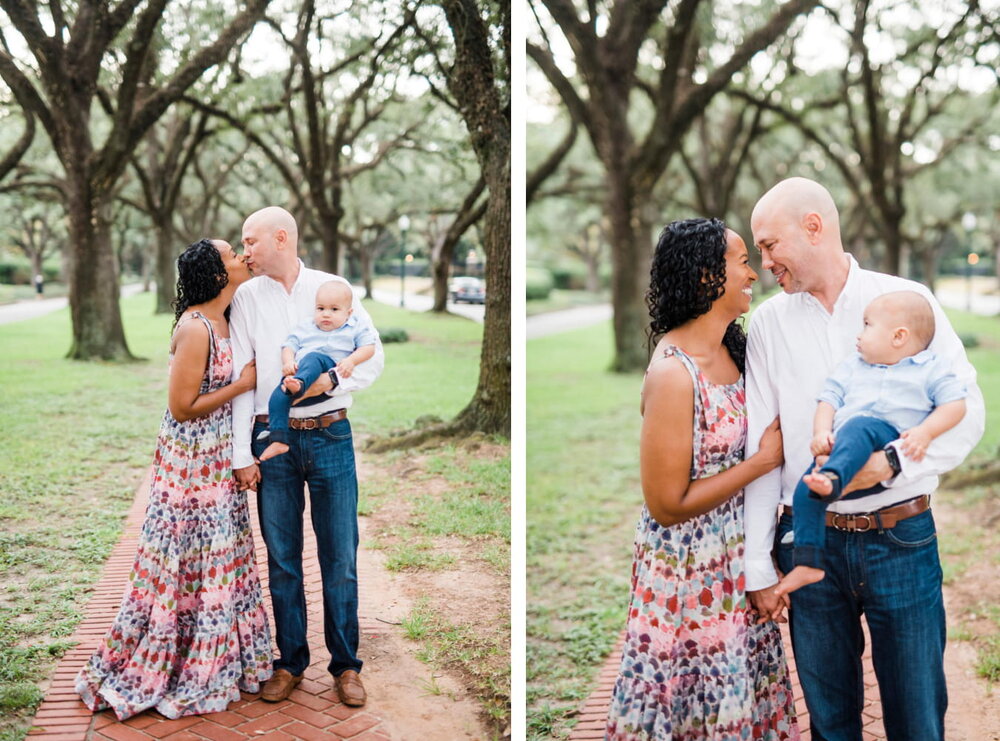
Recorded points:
(468, 289)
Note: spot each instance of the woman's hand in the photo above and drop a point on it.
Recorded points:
(771, 453)
(248, 376)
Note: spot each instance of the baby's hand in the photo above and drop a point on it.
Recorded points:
(345, 368)
(821, 444)
(915, 442)
(288, 369)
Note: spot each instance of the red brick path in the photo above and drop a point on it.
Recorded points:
(594, 712)
(313, 711)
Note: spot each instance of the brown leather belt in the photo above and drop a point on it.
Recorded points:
(883, 519)
(309, 423)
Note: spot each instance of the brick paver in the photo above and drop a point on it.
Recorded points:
(311, 712)
(594, 712)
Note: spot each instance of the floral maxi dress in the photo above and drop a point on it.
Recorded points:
(191, 631)
(694, 665)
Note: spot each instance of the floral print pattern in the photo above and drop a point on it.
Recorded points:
(695, 666)
(191, 631)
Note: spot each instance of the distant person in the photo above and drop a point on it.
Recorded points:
(696, 665)
(892, 388)
(880, 551)
(333, 338)
(321, 454)
(192, 632)
(39, 285)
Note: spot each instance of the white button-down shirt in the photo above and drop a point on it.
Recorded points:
(793, 345)
(263, 315)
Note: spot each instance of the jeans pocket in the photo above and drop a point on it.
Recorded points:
(338, 431)
(913, 532)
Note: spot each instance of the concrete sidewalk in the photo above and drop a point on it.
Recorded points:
(313, 711)
(594, 713)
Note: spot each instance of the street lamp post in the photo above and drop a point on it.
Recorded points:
(404, 225)
(969, 224)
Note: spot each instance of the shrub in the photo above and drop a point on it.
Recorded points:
(537, 284)
(393, 334)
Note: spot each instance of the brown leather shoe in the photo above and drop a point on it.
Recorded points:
(279, 686)
(352, 692)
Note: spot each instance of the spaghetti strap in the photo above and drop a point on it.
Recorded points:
(212, 347)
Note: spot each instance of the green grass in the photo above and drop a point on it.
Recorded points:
(435, 373)
(78, 436)
(583, 498)
(483, 656)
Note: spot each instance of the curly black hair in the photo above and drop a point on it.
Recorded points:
(201, 276)
(688, 274)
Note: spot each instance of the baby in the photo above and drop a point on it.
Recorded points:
(893, 387)
(331, 339)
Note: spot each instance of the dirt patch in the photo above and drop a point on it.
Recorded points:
(415, 702)
(474, 595)
(973, 704)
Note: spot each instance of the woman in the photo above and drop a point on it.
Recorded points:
(695, 664)
(191, 632)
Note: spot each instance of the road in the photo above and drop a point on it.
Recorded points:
(32, 308)
(417, 302)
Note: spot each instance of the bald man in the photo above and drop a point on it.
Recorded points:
(265, 309)
(880, 553)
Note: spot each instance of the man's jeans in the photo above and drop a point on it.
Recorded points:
(894, 578)
(323, 459)
(857, 439)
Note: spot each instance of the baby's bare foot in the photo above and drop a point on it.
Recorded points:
(819, 483)
(292, 385)
(797, 578)
(272, 450)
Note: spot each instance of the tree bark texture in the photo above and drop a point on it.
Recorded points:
(472, 83)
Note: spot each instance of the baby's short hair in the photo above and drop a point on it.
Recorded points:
(914, 311)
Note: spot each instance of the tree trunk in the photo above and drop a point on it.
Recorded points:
(93, 283)
(593, 273)
(929, 264)
(329, 234)
(366, 271)
(166, 273)
(893, 239)
(630, 271)
(489, 409)
(440, 270)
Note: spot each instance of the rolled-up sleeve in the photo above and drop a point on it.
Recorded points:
(950, 449)
(761, 497)
(836, 385)
(243, 353)
(365, 374)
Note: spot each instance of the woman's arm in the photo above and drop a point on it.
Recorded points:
(187, 370)
(665, 451)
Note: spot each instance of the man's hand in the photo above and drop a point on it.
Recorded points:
(769, 606)
(248, 477)
(876, 470)
(320, 386)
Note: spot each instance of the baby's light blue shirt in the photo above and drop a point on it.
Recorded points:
(902, 394)
(337, 343)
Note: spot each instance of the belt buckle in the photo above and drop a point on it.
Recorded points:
(852, 523)
(310, 423)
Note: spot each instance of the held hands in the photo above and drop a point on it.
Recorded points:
(248, 376)
(822, 443)
(915, 442)
(769, 605)
(345, 368)
(771, 453)
(248, 477)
